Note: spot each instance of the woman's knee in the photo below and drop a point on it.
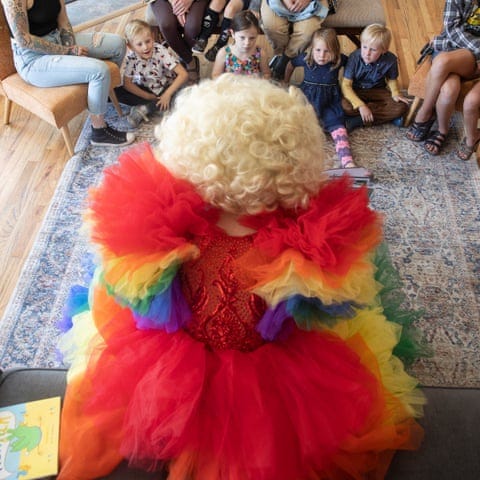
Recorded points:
(461, 62)
(100, 72)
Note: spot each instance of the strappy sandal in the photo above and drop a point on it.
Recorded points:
(464, 151)
(435, 141)
(419, 131)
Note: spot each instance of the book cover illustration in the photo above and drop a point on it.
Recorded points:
(29, 434)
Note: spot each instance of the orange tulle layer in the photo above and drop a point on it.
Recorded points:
(222, 414)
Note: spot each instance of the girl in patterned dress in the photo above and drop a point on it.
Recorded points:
(321, 64)
(243, 57)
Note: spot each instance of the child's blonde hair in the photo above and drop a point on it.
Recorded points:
(247, 145)
(329, 36)
(378, 34)
(134, 27)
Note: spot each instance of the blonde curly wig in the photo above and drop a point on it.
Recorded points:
(246, 144)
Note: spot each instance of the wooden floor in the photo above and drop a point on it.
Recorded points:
(33, 154)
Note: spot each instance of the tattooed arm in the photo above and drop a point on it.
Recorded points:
(16, 14)
(66, 30)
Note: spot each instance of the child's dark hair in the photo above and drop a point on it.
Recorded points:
(329, 36)
(244, 20)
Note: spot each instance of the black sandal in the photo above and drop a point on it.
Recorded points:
(435, 141)
(419, 131)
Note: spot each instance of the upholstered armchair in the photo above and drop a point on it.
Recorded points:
(56, 105)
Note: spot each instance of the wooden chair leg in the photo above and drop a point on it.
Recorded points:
(68, 139)
(116, 104)
(7, 110)
(412, 110)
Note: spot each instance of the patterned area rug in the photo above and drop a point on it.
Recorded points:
(432, 227)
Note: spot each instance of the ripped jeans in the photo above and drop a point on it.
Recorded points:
(46, 70)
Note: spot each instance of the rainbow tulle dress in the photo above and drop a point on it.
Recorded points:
(263, 357)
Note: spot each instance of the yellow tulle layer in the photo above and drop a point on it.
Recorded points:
(381, 337)
(133, 276)
(292, 274)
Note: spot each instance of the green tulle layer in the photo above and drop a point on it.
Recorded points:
(412, 344)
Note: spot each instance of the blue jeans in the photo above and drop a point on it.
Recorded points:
(45, 70)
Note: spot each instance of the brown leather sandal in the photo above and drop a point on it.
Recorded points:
(464, 151)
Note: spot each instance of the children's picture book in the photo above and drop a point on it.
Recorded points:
(29, 434)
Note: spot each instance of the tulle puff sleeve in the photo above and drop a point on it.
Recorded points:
(142, 219)
(324, 253)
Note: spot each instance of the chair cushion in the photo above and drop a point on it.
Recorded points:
(356, 14)
(55, 105)
(6, 57)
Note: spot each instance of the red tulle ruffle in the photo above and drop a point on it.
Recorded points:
(284, 411)
(141, 207)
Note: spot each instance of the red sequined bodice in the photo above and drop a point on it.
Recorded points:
(224, 315)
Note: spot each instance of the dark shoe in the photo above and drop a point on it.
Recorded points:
(419, 131)
(108, 136)
(277, 65)
(200, 45)
(351, 123)
(211, 55)
(398, 122)
(434, 143)
(193, 71)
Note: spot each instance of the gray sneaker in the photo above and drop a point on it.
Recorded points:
(138, 115)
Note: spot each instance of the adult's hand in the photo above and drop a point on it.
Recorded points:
(180, 7)
(79, 51)
(296, 5)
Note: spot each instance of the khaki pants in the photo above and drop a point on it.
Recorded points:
(379, 100)
(289, 38)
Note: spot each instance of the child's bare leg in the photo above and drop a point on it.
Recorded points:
(233, 7)
(460, 62)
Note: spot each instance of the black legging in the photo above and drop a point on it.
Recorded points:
(180, 39)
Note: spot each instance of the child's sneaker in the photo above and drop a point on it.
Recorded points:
(138, 115)
(108, 136)
(398, 122)
(200, 45)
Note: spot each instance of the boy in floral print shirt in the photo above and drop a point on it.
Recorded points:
(152, 74)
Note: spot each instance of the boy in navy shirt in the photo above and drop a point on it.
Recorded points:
(370, 84)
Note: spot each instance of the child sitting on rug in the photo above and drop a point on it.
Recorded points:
(234, 328)
(321, 64)
(152, 74)
(369, 82)
(243, 57)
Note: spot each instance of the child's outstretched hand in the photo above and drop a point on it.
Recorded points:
(401, 98)
(163, 101)
(366, 114)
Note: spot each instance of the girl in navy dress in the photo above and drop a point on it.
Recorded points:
(321, 63)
